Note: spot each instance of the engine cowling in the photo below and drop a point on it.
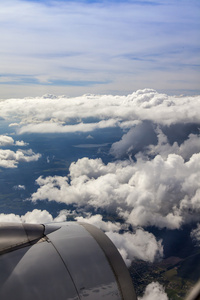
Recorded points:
(70, 260)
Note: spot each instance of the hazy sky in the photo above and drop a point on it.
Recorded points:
(106, 47)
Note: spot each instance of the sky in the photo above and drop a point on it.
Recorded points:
(101, 47)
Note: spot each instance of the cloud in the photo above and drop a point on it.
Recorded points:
(135, 140)
(36, 216)
(97, 220)
(140, 245)
(195, 235)
(19, 187)
(49, 127)
(21, 143)
(186, 149)
(141, 112)
(6, 140)
(9, 141)
(162, 192)
(154, 291)
(11, 159)
(152, 180)
(90, 137)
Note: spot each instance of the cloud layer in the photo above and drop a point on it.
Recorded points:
(62, 114)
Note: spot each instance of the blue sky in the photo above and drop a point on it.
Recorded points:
(105, 47)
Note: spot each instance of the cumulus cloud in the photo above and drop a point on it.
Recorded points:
(186, 149)
(154, 291)
(9, 141)
(149, 139)
(97, 220)
(11, 159)
(159, 192)
(6, 140)
(36, 216)
(140, 245)
(21, 143)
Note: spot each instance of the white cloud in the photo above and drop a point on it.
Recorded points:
(89, 137)
(9, 218)
(19, 187)
(21, 143)
(154, 291)
(10, 159)
(36, 216)
(160, 192)
(49, 127)
(13, 124)
(97, 220)
(163, 147)
(9, 141)
(6, 140)
(56, 115)
(140, 245)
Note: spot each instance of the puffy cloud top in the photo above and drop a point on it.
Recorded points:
(154, 291)
(161, 192)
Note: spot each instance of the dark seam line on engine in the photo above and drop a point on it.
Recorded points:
(66, 268)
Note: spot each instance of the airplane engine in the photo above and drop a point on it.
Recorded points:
(61, 261)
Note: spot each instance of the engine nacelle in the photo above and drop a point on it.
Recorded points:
(65, 261)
